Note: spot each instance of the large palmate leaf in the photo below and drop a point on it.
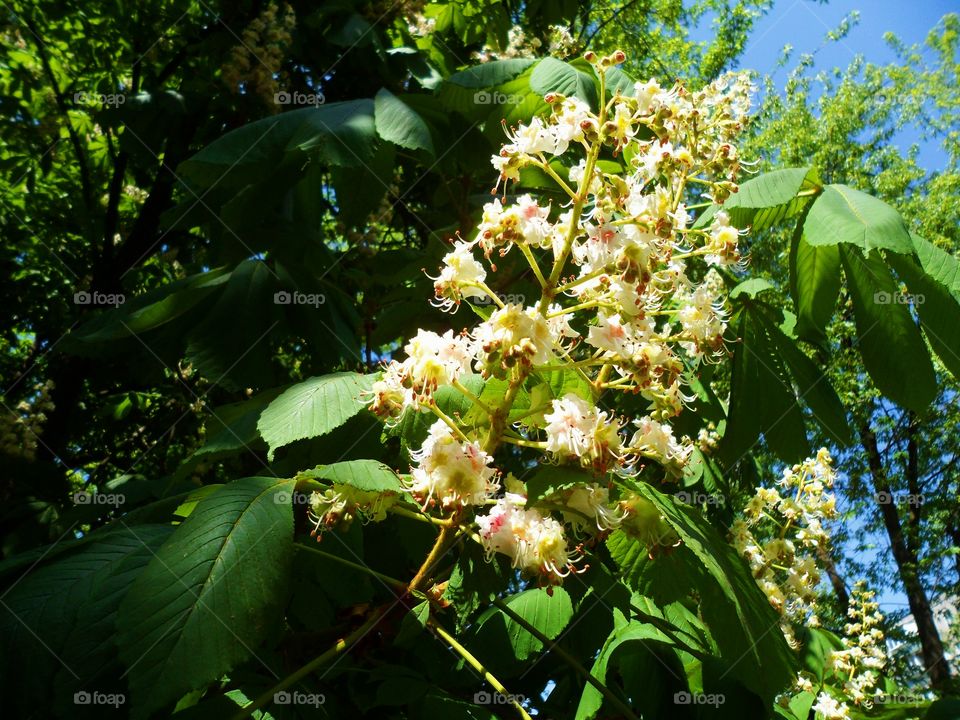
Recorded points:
(763, 201)
(342, 133)
(770, 198)
(815, 281)
(365, 475)
(313, 408)
(491, 74)
(625, 631)
(552, 75)
(889, 340)
(57, 621)
(210, 595)
(844, 215)
(937, 308)
(547, 611)
(736, 611)
(400, 124)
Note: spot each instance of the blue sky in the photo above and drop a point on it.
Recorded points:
(805, 23)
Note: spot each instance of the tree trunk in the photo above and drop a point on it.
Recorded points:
(839, 587)
(931, 648)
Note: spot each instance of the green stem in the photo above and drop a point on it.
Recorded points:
(435, 552)
(449, 422)
(418, 516)
(567, 658)
(532, 261)
(339, 647)
(477, 665)
(473, 398)
(545, 166)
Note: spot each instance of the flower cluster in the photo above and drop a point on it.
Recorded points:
(862, 657)
(254, 64)
(534, 542)
(858, 664)
(783, 560)
(578, 431)
(450, 471)
(631, 301)
(20, 430)
(560, 43)
(339, 505)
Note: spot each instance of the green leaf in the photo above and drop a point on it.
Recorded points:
(938, 310)
(938, 264)
(549, 479)
(487, 75)
(815, 282)
(665, 576)
(549, 611)
(313, 408)
(762, 398)
(211, 593)
(768, 190)
(474, 582)
(816, 645)
(813, 387)
(552, 75)
(844, 215)
(888, 339)
(150, 310)
(342, 133)
(751, 288)
(413, 622)
(736, 611)
(233, 428)
(413, 426)
(625, 631)
(57, 621)
(365, 475)
(763, 201)
(400, 124)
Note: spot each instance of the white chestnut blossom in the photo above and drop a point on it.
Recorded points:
(513, 336)
(590, 500)
(576, 430)
(535, 543)
(785, 565)
(449, 471)
(459, 277)
(655, 440)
